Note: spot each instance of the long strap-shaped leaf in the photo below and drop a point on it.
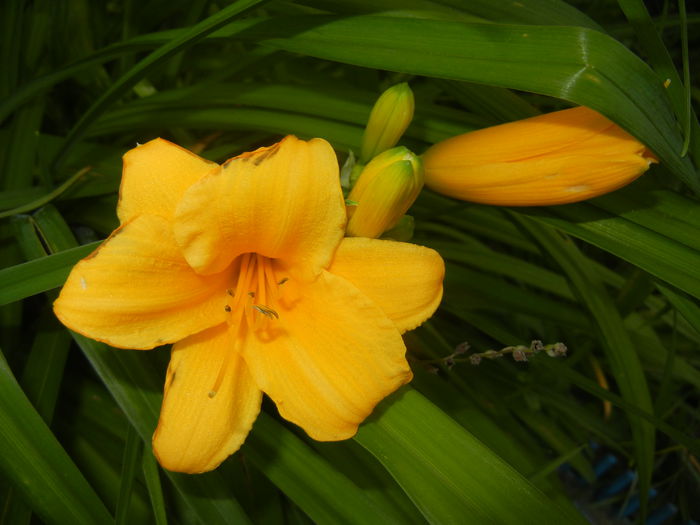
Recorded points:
(573, 63)
(550, 12)
(174, 46)
(38, 466)
(39, 275)
(659, 58)
(620, 350)
(314, 483)
(664, 256)
(450, 475)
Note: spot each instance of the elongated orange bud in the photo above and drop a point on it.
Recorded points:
(556, 158)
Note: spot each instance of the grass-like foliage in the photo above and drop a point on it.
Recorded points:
(478, 436)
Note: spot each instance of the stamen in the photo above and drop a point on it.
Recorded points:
(261, 267)
(272, 285)
(266, 311)
(236, 320)
(256, 287)
(246, 270)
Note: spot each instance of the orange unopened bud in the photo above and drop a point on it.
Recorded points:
(556, 158)
(385, 190)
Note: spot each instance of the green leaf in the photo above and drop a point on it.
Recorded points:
(36, 464)
(40, 275)
(538, 12)
(10, 45)
(450, 475)
(226, 106)
(638, 239)
(155, 492)
(572, 63)
(44, 370)
(311, 481)
(130, 78)
(660, 59)
(46, 198)
(553, 369)
(132, 451)
(555, 436)
(620, 351)
(687, 307)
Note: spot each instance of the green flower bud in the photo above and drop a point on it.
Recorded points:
(391, 115)
(385, 190)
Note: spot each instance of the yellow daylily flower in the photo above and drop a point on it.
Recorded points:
(244, 267)
(556, 158)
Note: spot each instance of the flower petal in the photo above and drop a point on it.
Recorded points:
(197, 430)
(614, 142)
(283, 202)
(543, 181)
(332, 357)
(137, 291)
(403, 279)
(519, 140)
(556, 158)
(155, 176)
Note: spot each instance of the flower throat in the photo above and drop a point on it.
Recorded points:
(250, 302)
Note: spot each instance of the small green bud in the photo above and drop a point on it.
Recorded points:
(385, 190)
(368, 172)
(390, 116)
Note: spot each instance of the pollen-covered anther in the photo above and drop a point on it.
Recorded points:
(266, 311)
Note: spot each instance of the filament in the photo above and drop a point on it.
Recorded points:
(250, 304)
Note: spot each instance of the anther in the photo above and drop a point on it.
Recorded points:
(227, 308)
(266, 311)
(283, 281)
(211, 393)
(230, 292)
(252, 294)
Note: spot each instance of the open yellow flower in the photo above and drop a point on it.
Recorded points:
(556, 158)
(244, 267)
